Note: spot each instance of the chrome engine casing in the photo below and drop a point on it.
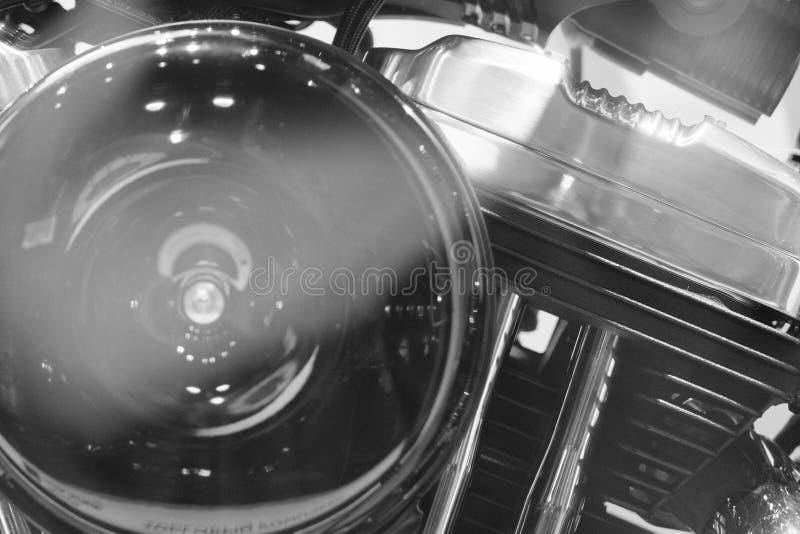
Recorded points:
(671, 194)
(675, 242)
(670, 254)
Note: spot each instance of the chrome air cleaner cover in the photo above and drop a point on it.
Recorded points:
(694, 199)
(229, 299)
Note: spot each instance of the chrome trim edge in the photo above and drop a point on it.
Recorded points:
(558, 503)
(458, 471)
(11, 520)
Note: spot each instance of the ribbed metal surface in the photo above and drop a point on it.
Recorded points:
(667, 420)
(692, 375)
(514, 437)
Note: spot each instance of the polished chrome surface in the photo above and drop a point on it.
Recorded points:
(19, 70)
(771, 508)
(554, 508)
(696, 199)
(178, 350)
(456, 476)
(12, 520)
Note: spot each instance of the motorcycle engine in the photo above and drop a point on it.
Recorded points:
(257, 283)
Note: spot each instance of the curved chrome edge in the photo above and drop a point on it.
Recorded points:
(553, 505)
(458, 471)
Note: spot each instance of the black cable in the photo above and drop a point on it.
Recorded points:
(33, 6)
(353, 24)
(8, 4)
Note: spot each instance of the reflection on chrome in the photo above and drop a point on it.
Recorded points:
(557, 507)
(770, 508)
(455, 477)
(672, 194)
(253, 283)
(12, 521)
(20, 70)
(150, 384)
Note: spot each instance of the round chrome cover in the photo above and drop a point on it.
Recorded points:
(772, 507)
(239, 287)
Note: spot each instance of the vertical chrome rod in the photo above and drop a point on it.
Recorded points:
(456, 476)
(555, 507)
(11, 520)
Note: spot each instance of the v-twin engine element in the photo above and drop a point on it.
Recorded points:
(668, 254)
(645, 275)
